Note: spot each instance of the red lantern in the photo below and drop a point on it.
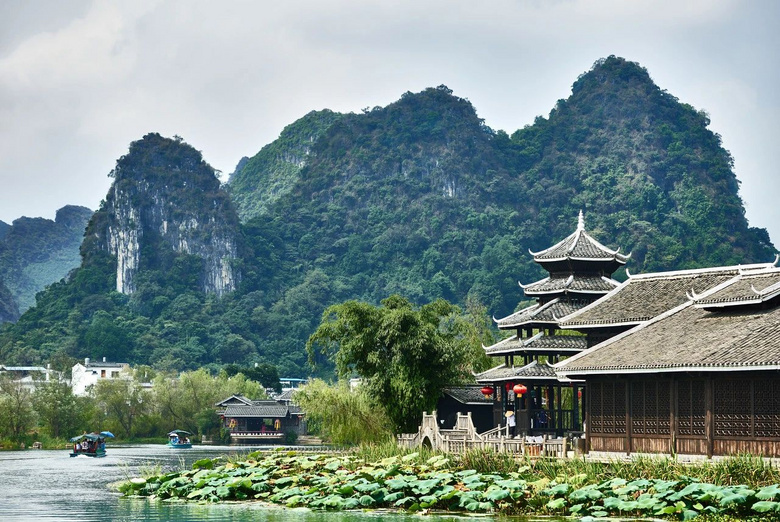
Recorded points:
(519, 389)
(508, 386)
(579, 394)
(487, 391)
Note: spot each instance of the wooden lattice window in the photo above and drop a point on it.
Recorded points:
(766, 401)
(607, 407)
(650, 407)
(691, 408)
(732, 410)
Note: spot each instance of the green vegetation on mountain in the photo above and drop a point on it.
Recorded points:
(259, 181)
(418, 198)
(9, 311)
(35, 252)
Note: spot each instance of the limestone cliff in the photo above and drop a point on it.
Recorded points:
(166, 202)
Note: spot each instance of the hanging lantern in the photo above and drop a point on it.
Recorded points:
(519, 389)
(579, 394)
(487, 391)
(508, 386)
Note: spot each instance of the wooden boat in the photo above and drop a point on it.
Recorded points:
(179, 439)
(90, 444)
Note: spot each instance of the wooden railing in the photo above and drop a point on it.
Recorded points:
(463, 437)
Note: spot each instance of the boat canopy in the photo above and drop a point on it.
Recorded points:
(88, 436)
(179, 432)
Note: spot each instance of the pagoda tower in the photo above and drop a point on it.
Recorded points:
(580, 271)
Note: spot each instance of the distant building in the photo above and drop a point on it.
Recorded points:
(84, 376)
(31, 376)
(251, 421)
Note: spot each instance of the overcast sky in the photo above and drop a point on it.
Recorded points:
(81, 79)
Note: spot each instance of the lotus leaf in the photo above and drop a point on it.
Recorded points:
(223, 492)
(766, 506)
(560, 489)
(411, 456)
(367, 500)
(496, 493)
(733, 498)
(396, 483)
(556, 504)
(768, 492)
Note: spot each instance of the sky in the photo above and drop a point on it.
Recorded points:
(81, 79)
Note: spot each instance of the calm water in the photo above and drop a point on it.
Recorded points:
(49, 485)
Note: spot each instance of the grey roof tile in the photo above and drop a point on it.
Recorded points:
(549, 312)
(467, 394)
(534, 371)
(582, 283)
(645, 296)
(687, 338)
(269, 409)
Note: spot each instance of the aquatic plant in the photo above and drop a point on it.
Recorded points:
(413, 483)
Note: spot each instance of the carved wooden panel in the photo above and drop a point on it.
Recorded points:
(691, 410)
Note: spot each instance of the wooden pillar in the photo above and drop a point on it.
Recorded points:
(709, 430)
(627, 399)
(673, 415)
(586, 416)
(559, 410)
(575, 412)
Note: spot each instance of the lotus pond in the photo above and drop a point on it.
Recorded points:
(412, 483)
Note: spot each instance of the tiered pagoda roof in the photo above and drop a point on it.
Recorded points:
(539, 344)
(532, 372)
(580, 247)
(579, 269)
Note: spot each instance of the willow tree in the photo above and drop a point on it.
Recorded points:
(405, 355)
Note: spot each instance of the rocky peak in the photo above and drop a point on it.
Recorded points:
(165, 198)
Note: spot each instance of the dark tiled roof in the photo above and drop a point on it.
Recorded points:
(539, 343)
(560, 343)
(558, 283)
(286, 395)
(549, 312)
(749, 288)
(687, 338)
(645, 296)
(580, 246)
(234, 399)
(534, 371)
(467, 394)
(265, 409)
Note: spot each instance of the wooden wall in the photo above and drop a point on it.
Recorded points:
(691, 414)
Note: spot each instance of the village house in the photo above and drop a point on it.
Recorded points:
(85, 376)
(30, 376)
(253, 421)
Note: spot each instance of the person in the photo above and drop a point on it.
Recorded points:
(84, 446)
(76, 447)
(510, 422)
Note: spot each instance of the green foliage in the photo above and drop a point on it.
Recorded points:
(16, 412)
(60, 413)
(401, 352)
(341, 415)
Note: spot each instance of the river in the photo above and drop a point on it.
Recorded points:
(50, 485)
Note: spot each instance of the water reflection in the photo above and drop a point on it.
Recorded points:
(50, 485)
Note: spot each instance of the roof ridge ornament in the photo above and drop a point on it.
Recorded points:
(581, 221)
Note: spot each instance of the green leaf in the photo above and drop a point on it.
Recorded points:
(556, 504)
(766, 506)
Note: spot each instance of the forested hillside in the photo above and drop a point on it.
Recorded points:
(419, 198)
(35, 252)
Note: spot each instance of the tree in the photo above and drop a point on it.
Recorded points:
(406, 356)
(123, 401)
(16, 412)
(59, 411)
(342, 415)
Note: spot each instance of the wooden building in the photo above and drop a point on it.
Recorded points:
(251, 421)
(701, 378)
(580, 271)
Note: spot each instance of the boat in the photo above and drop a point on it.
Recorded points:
(90, 444)
(179, 439)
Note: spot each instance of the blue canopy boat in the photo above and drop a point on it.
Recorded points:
(90, 444)
(179, 439)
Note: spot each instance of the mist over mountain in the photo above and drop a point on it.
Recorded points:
(419, 198)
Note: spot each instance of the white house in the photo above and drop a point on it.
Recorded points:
(83, 376)
(31, 376)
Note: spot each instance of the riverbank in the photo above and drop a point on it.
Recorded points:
(425, 483)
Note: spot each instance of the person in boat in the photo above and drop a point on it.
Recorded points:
(76, 447)
(85, 445)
